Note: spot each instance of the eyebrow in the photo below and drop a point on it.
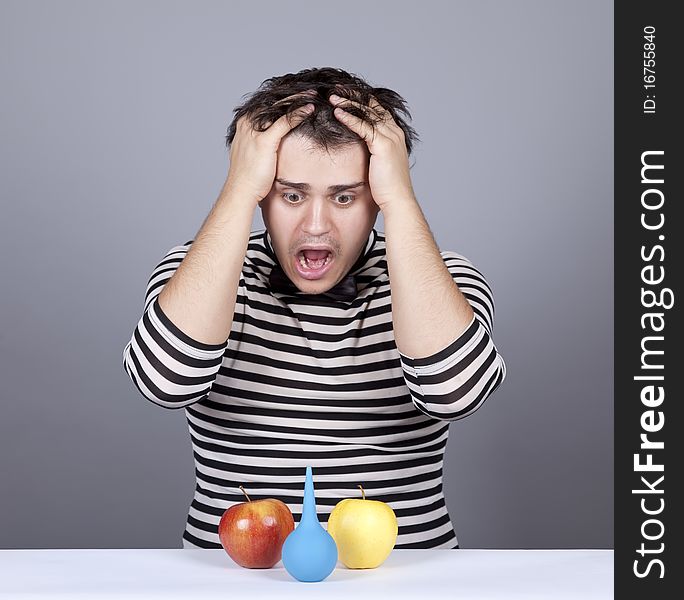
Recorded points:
(332, 188)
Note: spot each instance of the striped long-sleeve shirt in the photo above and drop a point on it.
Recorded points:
(306, 380)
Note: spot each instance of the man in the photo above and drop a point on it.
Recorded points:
(318, 340)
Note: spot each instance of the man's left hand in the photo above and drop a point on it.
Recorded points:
(388, 172)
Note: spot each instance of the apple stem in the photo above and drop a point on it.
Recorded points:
(363, 494)
(245, 493)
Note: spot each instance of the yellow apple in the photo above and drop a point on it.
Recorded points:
(365, 531)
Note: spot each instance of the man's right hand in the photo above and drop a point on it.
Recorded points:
(253, 154)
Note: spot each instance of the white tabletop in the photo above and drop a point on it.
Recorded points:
(211, 574)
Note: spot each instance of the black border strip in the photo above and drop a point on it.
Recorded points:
(647, 545)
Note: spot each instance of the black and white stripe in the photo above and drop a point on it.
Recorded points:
(304, 380)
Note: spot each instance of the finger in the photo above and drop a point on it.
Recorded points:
(384, 117)
(379, 108)
(357, 125)
(342, 102)
(243, 122)
(373, 106)
(288, 121)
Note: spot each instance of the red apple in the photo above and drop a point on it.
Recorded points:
(253, 532)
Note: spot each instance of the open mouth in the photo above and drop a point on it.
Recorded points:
(312, 264)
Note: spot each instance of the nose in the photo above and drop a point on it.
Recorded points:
(317, 217)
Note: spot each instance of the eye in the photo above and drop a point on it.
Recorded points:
(287, 197)
(348, 197)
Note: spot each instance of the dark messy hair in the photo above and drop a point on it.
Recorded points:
(321, 126)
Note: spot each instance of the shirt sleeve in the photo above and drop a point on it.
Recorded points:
(454, 382)
(167, 366)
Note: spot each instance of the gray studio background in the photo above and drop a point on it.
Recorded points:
(112, 151)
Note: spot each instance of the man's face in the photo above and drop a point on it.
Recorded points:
(319, 224)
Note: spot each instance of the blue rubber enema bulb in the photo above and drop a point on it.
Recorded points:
(309, 552)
